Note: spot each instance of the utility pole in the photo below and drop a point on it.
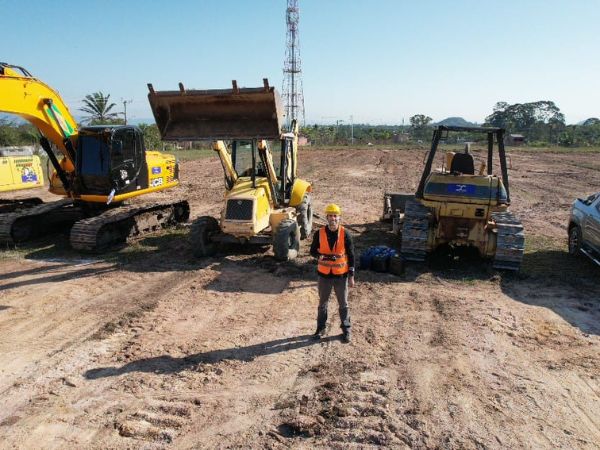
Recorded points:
(125, 108)
(351, 130)
(293, 97)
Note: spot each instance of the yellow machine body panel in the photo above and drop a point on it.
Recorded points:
(299, 190)
(40, 105)
(20, 172)
(462, 206)
(247, 208)
(161, 169)
(476, 189)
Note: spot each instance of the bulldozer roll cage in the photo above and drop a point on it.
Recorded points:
(493, 133)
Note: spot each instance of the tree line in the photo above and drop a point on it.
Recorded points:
(540, 123)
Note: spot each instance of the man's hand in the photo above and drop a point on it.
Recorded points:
(351, 281)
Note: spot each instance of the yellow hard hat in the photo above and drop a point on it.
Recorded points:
(332, 208)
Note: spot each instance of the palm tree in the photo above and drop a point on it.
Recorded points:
(98, 108)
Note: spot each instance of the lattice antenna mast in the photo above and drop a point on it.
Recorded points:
(293, 98)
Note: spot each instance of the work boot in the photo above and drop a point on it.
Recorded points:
(346, 337)
(319, 333)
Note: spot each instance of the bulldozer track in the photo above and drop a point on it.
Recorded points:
(117, 225)
(510, 243)
(415, 232)
(28, 223)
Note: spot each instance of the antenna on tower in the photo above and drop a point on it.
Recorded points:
(293, 98)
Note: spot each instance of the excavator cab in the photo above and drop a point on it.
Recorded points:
(110, 158)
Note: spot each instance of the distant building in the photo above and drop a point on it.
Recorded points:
(18, 150)
(515, 140)
(401, 138)
(303, 141)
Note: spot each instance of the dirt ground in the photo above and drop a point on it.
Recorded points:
(147, 347)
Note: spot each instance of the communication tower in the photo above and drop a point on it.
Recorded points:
(293, 98)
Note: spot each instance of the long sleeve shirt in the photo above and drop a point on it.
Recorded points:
(331, 239)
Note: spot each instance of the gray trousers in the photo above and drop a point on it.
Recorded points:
(340, 286)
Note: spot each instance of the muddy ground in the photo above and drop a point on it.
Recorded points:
(147, 347)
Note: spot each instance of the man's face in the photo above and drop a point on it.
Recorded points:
(333, 220)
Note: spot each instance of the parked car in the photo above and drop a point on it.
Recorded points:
(584, 227)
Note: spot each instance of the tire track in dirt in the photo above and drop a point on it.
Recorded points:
(53, 375)
(181, 354)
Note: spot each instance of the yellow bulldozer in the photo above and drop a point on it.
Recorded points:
(99, 170)
(265, 202)
(461, 206)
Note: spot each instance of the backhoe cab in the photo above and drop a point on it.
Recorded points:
(461, 205)
(265, 203)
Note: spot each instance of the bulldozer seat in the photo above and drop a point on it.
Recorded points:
(463, 163)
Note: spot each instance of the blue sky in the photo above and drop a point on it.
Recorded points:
(379, 61)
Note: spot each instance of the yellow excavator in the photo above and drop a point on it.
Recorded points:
(265, 202)
(20, 170)
(101, 168)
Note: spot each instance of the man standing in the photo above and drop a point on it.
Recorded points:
(334, 250)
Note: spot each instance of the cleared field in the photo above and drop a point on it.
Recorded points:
(147, 347)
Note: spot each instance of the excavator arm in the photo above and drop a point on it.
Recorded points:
(39, 104)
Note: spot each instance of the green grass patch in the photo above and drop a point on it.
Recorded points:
(552, 149)
(54, 246)
(193, 154)
(139, 250)
(548, 257)
(585, 165)
(362, 146)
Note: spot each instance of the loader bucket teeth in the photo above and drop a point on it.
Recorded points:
(238, 113)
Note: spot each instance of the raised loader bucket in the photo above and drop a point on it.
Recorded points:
(237, 113)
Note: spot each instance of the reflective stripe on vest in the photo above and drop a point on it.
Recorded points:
(327, 264)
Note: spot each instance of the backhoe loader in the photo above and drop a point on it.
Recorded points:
(101, 168)
(459, 207)
(265, 203)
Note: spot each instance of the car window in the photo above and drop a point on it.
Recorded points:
(588, 201)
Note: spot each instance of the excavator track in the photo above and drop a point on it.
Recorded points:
(7, 206)
(510, 241)
(26, 224)
(117, 225)
(415, 232)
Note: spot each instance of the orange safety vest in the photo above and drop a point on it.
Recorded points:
(339, 266)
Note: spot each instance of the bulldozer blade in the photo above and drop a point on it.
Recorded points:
(238, 113)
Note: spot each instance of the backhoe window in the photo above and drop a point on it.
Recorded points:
(93, 151)
(275, 147)
(241, 154)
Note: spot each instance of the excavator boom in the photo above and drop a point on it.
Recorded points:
(39, 104)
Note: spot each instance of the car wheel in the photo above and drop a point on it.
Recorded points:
(574, 240)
